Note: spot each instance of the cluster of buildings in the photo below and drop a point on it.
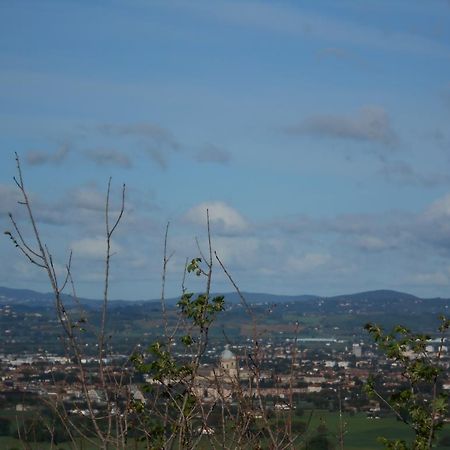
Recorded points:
(323, 373)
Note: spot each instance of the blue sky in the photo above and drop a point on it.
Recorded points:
(317, 134)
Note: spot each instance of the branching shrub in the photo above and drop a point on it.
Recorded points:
(420, 404)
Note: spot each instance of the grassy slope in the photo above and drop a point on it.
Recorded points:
(361, 433)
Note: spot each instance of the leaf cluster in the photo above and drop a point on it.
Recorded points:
(418, 403)
(202, 309)
(163, 366)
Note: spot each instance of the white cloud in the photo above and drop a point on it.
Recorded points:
(9, 196)
(92, 248)
(307, 262)
(223, 217)
(242, 252)
(372, 243)
(432, 278)
(438, 209)
(89, 198)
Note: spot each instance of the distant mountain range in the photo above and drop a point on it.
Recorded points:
(31, 322)
(27, 296)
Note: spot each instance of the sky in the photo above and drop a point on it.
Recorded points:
(315, 133)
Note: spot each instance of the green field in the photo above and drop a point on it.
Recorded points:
(361, 433)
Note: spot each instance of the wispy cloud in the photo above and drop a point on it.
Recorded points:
(287, 19)
(370, 124)
(104, 156)
(342, 54)
(439, 138)
(82, 207)
(36, 157)
(445, 94)
(210, 153)
(156, 141)
(402, 173)
(145, 129)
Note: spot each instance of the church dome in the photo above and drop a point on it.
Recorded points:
(227, 354)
